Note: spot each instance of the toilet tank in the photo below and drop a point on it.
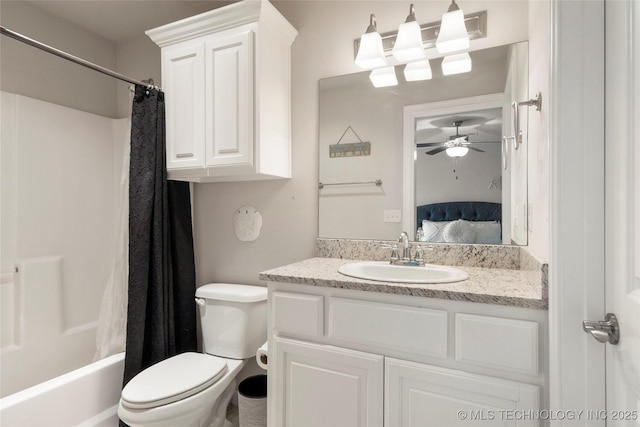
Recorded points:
(233, 319)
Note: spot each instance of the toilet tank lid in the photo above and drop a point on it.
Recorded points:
(232, 292)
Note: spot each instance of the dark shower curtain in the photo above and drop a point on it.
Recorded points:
(161, 313)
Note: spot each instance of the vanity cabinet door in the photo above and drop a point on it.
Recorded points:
(423, 395)
(325, 386)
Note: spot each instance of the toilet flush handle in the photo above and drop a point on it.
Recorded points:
(201, 302)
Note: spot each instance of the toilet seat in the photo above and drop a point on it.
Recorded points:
(173, 379)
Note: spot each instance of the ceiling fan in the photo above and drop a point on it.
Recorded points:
(456, 146)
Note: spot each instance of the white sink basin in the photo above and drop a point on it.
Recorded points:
(384, 272)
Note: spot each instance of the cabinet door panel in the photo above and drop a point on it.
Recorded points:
(229, 75)
(324, 386)
(421, 395)
(183, 78)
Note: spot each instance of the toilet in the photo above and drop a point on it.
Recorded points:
(194, 389)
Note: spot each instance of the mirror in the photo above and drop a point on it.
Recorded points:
(372, 174)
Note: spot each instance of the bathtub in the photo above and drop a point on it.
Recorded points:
(86, 397)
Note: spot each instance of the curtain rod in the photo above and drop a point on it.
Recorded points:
(17, 36)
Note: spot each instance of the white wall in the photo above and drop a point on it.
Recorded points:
(440, 178)
(539, 129)
(516, 90)
(57, 204)
(323, 48)
(356, 211)
(27, 71)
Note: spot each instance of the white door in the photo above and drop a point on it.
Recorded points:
(325, 386)
(622, 209)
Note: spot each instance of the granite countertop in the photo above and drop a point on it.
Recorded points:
(485, 285)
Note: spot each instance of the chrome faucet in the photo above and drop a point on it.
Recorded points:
(406, 259)
(406, 250)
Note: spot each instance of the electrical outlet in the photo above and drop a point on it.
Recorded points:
(392, 215)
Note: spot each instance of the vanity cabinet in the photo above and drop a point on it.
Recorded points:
(352, 358)
(226, 78)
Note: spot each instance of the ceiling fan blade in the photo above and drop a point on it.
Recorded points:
(476, 149)
(436, 151)
(429, 144)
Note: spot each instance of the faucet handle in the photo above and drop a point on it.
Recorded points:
(419, 257)
(394, 251)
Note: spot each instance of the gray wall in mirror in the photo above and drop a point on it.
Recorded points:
(358, 211)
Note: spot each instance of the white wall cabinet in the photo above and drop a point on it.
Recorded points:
(227, 83)
(353, 358)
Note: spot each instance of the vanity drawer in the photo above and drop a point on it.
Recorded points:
(381, 327)
(297, 314)
(498, 343)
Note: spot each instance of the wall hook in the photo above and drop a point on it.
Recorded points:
(536, 101)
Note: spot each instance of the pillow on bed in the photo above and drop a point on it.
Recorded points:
(459, 231)
(433, 230)
(487, 232)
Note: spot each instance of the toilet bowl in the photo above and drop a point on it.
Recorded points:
(194, 389)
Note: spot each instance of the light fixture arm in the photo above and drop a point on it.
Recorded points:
(412, 14)
(453, 7)
(373, 24)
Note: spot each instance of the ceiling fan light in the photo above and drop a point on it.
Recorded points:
(384, 77)
(456, 64)
(416, 71)
(453, 34)
(408, 45)
(457, 151)
(370, 52)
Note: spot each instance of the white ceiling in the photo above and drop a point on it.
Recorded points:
(123, 20)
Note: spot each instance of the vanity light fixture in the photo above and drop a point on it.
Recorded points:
(416, 71)
(457, 151)
(408, 45)
(370, 52)
(453, 34)
(456, 64)
(384, 77)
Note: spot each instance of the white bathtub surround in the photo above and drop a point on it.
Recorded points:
(59, 190)
(86, 397)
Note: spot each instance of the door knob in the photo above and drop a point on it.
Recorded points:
(606, 330)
